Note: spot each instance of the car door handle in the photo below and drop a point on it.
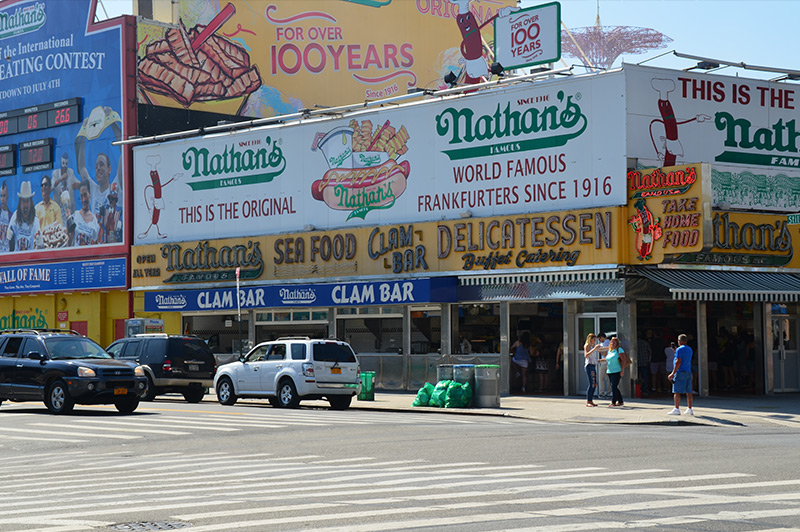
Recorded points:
(20, 365)
(255, 368)
(279, 366)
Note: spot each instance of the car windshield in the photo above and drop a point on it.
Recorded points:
(73, 347)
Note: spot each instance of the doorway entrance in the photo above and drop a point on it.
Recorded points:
(785, 354)
(596, 323)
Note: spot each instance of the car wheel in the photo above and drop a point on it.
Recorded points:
(340, 402)
(150, 392)
(225, 393)
(287, 394)
(194, 395)
(127, 405)
(57, 398)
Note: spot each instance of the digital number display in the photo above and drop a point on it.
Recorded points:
(40, 117)
(37, 152)
(63, 116)
(7, 157)
(32, 122)
(8, 126)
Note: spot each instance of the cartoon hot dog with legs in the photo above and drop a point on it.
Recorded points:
(670, 147)
(152, 195)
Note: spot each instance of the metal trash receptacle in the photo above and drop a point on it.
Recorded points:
(465, 373)
(367, 386)
(487, 386)
(444, 372)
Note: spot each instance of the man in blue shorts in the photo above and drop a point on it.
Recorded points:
(681, 377)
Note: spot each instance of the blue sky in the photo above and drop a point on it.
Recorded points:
(756, 32)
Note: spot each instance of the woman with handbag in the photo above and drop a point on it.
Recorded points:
(616, 361)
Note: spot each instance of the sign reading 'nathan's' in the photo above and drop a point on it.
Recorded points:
(557, 239)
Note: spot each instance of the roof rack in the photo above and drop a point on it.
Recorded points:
(293, 338)
(151, 335)
(39, 331)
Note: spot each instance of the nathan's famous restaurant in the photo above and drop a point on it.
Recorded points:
(439, 230)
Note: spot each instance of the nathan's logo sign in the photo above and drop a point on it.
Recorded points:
(507, 131)
(171, 301)
(780, 140)
(297, 296)
(205, 263)
(234, 166)
(22, 20)
(363, 173)
(747, 240)
(666, 211)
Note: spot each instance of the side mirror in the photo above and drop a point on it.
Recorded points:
(35, 355)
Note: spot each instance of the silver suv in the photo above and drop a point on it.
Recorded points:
(291, 369)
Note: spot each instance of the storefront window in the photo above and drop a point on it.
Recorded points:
(318, 315)
(263, 316)
(383, 333)
(282, 316)
(301, 316)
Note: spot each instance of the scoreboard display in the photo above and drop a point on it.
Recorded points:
(36, 155)
(40, 117)
(8, 163)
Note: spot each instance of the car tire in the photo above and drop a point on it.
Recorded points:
(340, 402)
(287, 394)
(57, 398)
(225, 392)
(127, 405)
(150, 392)
(194, 394)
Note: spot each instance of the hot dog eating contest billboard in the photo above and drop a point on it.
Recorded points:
(531, 148)
(277, 57)
(62, 82)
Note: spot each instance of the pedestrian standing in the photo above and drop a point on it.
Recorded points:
(603, 384)
(681, 377)
(522, 357)
(615, 367)
(590, 349)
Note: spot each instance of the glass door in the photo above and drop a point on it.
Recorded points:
(590, 323)
(785, 354)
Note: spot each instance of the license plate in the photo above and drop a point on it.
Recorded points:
(337, 371)
(194, 367)
(120, 391)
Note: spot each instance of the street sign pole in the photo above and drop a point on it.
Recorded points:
(239, 309)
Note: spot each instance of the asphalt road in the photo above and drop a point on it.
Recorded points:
(207, 467)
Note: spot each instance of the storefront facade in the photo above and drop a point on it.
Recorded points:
(559, 231)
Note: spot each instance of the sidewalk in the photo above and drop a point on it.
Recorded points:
(733, 411)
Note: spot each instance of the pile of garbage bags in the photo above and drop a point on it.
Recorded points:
(446, 394)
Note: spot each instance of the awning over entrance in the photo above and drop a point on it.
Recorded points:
(714, 285)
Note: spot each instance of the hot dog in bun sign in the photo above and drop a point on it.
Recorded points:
(364, 172)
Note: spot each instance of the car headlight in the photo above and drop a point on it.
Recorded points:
(86, 372)
(138, 371)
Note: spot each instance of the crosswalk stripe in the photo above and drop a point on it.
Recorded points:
(157, 423)
(115, 429)
(63, 433)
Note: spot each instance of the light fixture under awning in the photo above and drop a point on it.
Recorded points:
(713, 285)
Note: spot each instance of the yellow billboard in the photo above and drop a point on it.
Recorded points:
(265, 58)
(564, 239)
(669, 212)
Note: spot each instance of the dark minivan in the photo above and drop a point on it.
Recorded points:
(173, 363)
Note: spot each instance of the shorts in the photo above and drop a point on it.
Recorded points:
(682, 382)
(520, 363)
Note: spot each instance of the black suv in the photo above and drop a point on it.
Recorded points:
(182, 364)
(62, 368)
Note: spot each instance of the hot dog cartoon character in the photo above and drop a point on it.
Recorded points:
(647, 227)
(670, 147)
(153, 196)
(475, 67)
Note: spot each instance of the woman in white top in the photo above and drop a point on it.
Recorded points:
(590, 349)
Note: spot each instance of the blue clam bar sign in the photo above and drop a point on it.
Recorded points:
(400, 292)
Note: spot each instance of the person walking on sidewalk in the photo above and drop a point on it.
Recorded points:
(681, 377)
(603, 384)
(615, 369)
(590, 349)
(522, 357)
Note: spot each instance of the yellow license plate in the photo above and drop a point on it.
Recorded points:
(337, 371)
(120, 391)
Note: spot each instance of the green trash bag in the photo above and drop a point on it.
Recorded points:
(458, 395)
(423, 395)
(439, 394)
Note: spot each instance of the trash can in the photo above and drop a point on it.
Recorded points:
(487, 386)
(367, 386)
(465, 373)
(444, 372)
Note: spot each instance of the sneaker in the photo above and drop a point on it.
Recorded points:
(523, 389)
(674, 412)
(688, 412)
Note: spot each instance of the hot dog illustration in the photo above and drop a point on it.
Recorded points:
(670, 147)
(153, 196)
(363, 173)
(647, 227)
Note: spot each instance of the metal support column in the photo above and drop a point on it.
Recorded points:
(702, 348)
(505, 346)
(447, 329)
